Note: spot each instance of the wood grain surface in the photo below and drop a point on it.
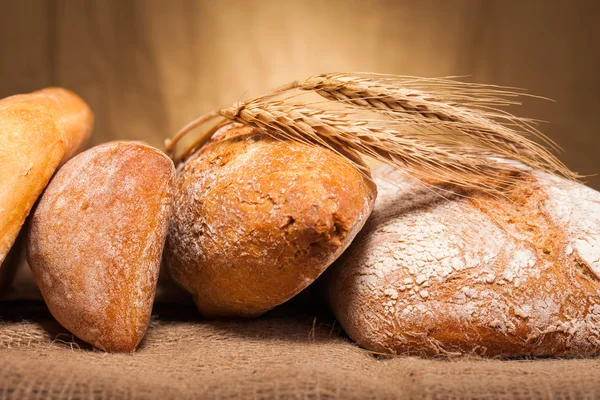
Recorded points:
(149, 66)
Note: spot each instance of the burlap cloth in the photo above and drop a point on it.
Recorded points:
(285, 354)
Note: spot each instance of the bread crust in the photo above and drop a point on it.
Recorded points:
(515, 276)
(96, 240)
(38, 131)
(256, 220)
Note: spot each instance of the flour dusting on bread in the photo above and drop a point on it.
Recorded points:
(96, 241)
(256, 220)
(435, 276)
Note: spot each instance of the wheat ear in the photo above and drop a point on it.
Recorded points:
(480, 124)
(435, 129)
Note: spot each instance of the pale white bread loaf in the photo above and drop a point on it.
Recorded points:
(509, 276)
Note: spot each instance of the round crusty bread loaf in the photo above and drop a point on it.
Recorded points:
(38, 132)
(509, 276)
(256, 220)
(96, 240)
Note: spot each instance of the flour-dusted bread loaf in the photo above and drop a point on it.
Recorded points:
(96, 241)
(509, 276)
(256, 220)
(38, 132)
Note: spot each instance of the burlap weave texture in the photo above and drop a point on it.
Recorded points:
(276, 356)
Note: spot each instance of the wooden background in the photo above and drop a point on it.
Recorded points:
(149, 66)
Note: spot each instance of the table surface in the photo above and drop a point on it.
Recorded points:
(284, 354)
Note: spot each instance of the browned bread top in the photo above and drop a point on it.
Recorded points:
(96, 240)
(38, 132)
(256, 220)
(509, 276)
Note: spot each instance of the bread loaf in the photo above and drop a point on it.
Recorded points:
(38, 132)
(96, 240)
(256, 220)
(515, 276)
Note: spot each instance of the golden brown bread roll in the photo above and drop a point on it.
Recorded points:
(515, 276)
(38, 132)
(256, 220)
(96, 240)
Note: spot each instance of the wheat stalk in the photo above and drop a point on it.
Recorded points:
(435, 129)
(397, 101)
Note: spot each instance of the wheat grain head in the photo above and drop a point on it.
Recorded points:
(440, 130)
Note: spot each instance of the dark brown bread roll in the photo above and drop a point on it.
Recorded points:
(513, 276)
(96, 240)
(256, 220)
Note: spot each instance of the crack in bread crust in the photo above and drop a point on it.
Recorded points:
(476, 275)
(256, 220)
